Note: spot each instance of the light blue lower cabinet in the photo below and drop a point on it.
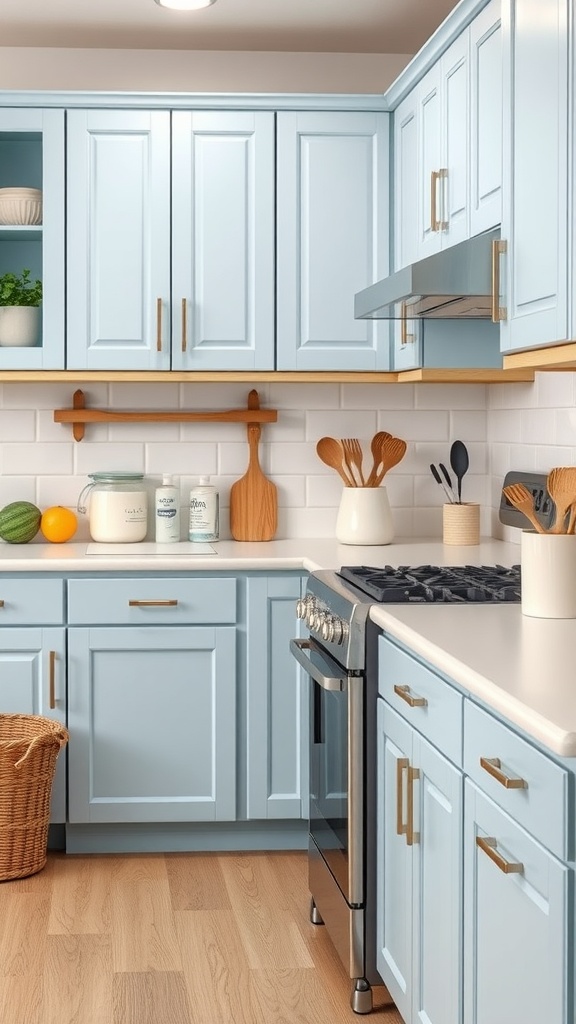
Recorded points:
(420, 799)
(518, 958)
(276, 704)
(152, 719)
(33, 682)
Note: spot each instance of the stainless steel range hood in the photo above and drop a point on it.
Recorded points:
(456, 282)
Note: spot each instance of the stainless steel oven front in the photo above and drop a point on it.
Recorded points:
(337, 835)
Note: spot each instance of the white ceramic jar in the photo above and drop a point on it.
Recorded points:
(364, 516)
(118, 507)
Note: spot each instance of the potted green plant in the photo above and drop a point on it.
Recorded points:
(20, 299)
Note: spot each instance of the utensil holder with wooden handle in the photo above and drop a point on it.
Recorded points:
(461, 523)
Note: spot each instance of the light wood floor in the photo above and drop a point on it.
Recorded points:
(170, 939)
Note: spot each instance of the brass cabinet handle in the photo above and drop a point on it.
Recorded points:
(489, 846)
(414, 702)
(498, 312)
(184, 324)
(152, 604)
(2, 603)
(411, 836)
(405, 338)
(51, 680)
(158, 325)
(434, 223)
(401, 764)
(493, 766)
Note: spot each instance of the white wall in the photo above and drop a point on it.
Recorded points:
(197, 70)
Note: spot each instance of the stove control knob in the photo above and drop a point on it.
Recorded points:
(318, 619)
(328, 627)
(301, 609)
(340, 632)
(310, 612)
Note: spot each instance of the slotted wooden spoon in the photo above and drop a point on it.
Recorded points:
(392, 452)
(519, 496)
(561, 485)
(376, 448)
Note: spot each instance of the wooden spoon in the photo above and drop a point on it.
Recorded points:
(393, 451)
(519, 496)
(561, 485)
(330, 451)
(376, 449)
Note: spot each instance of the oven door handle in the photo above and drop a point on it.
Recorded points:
(326, 679)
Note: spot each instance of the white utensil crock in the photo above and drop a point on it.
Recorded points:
(364, 516)
(548, 575)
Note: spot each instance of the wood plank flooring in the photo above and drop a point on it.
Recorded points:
(170, 939)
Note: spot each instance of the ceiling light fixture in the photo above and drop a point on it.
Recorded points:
(185, 5)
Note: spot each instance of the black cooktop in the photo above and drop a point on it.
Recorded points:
(455, 583)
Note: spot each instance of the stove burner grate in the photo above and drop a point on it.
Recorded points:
(455, 584)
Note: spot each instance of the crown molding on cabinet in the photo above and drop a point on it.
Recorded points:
(197, 100)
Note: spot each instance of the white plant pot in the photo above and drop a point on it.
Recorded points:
(19, 326)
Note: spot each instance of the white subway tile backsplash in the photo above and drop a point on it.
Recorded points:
(17, 425)
(511, 426)
(34, 459)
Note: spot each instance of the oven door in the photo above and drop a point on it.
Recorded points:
(336, 754)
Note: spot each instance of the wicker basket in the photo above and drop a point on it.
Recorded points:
(29, 746)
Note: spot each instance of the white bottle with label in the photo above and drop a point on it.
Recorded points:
(167, 512)
(204, 511)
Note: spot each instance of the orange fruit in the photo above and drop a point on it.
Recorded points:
(58, 524)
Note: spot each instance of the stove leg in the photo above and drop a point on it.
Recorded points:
(314, 913)
(361, 998)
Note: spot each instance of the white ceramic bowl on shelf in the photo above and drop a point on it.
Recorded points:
(20, 206)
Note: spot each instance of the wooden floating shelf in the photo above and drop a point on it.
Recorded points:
(434, 375)
(79, 415)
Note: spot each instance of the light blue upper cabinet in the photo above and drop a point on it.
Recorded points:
(533, 271)
(170, 240)
(32, 156)
(406, 333)
(332, 238)
(486, 119)
(223, 240)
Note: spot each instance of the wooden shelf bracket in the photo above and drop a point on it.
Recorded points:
(79, 415)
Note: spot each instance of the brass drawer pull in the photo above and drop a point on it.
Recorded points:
(51, 680)
(401, 764)
(2, 603)
(498, 312)
(184, 323)
(158, 325)
(152, 604)
(443, 177)
(411, 836)
(434, 222)
(414, 702)
(489, 846)
(493, 766)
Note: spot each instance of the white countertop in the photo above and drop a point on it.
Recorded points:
(519, 666)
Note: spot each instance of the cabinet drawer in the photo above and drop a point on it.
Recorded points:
(518, 777)
(431, 705)
(31, 602)
(146, 601)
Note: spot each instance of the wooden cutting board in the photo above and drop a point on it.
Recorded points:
(253, 498)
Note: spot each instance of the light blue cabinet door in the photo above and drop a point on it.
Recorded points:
(455, 113)
(223, 240)
(518, 965)
(430, 162)
(152, 718)
(276, 702)
(332, 238)
(419, 883)
(405, 190)
(118, 236)
(33, 682)
(32, 156)
(535, 160)
(486, 119)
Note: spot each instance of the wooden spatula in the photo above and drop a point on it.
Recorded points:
(253, 498)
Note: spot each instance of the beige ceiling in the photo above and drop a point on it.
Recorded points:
(330, 26)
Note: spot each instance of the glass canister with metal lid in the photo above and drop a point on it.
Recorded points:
(118, 507)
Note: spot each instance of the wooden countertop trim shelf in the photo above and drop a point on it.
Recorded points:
(79, 415)
(436, 375)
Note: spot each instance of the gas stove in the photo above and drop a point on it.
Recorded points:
(448, 584)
